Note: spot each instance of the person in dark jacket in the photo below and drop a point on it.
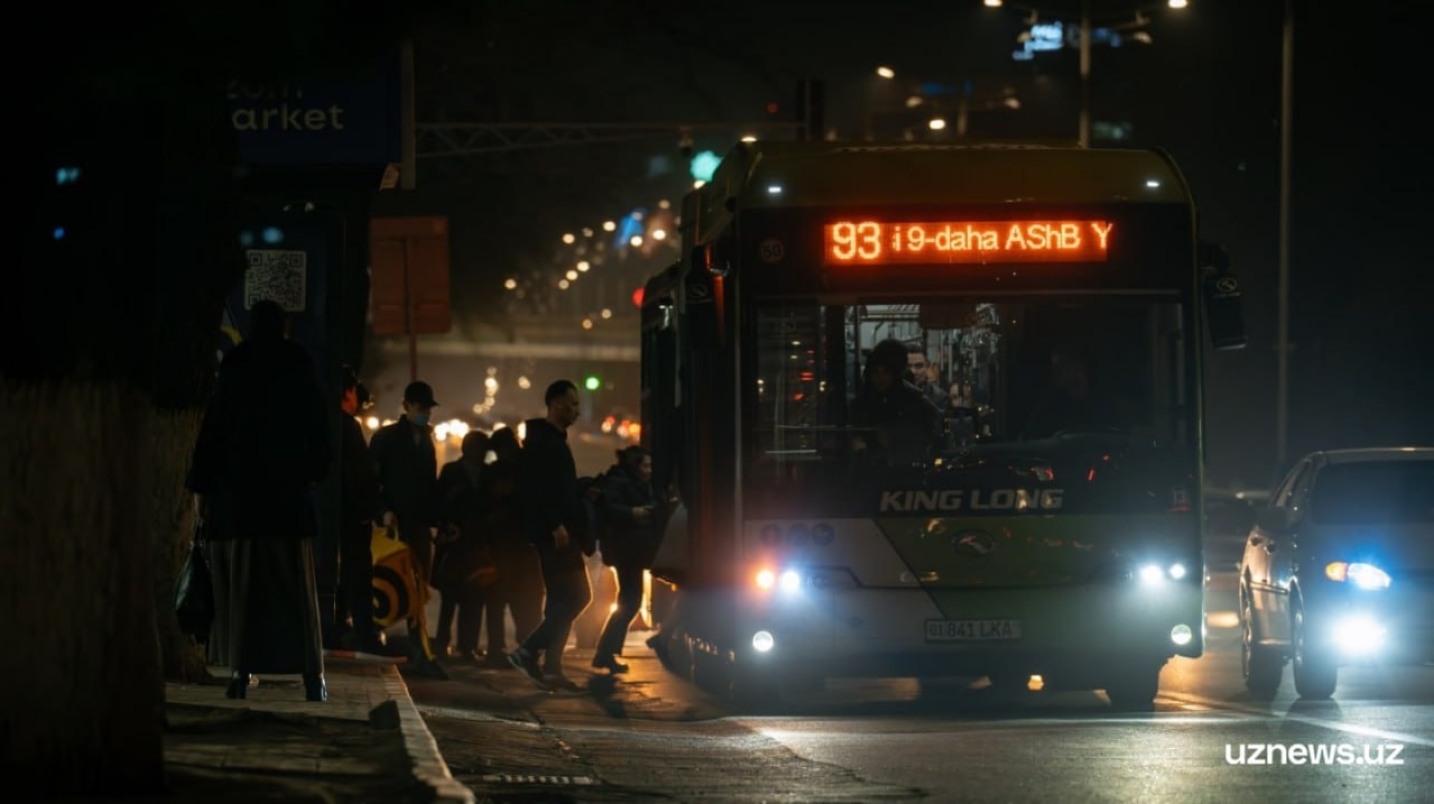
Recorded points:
(407, 466)
(464, 539)
(556, 523)
(520, 576)
(262, 446)
(358, 489)
(628, 544)
(406, 463)
(900, 423)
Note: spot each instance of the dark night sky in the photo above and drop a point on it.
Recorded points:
(1207, 89)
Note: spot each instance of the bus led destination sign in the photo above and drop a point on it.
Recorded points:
(857, 242)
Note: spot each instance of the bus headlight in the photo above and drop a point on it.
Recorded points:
(791, 581)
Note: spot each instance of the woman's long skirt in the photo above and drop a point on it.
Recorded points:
(266, 617)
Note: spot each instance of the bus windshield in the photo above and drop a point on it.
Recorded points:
(1033, 388)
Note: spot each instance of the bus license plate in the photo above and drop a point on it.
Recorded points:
(972, 630)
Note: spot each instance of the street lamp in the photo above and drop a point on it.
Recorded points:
(948, 101)
(1085, 40)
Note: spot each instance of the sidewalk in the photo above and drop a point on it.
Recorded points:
(367, 743)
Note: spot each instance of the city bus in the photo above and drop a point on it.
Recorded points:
(811, 538)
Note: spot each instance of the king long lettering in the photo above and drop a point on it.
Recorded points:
(976, 500)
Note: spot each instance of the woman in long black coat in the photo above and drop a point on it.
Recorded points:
(262, 446)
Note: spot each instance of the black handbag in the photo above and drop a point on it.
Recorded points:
(194, 594)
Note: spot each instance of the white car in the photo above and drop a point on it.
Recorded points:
(1339, 568)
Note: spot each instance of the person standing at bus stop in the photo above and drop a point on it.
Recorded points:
(358, 489)
(406, 463)
(556, 522)
(262, 446)
(519, 589)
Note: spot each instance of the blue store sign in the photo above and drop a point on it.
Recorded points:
(352, 120)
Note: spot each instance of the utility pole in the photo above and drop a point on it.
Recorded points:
(1282, 346)
(1085, 74)
(812, 95)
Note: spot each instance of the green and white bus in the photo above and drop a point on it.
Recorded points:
(1052, 303)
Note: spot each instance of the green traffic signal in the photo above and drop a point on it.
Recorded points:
(592, 383)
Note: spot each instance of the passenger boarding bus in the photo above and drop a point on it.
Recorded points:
(1025, 499)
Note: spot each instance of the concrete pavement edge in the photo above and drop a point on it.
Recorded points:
(426, 762)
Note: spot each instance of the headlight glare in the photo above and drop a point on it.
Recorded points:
(1365, 576)
(791, 581)
(763, 641)
(1368, 576)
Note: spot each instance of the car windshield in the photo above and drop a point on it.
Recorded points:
(1374, 493)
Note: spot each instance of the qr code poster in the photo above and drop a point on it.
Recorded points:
(278, 275)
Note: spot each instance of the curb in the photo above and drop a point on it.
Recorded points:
(426, 763)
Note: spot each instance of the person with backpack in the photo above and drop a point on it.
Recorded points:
(519, 589)
(463, 568)
(628, 540)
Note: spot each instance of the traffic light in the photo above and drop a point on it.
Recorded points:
(592, 382)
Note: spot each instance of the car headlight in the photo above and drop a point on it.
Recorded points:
(1365, 576)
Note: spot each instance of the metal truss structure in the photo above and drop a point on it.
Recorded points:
(446, 140)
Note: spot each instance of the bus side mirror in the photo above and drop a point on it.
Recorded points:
(1224, 312)
(700, 289)
(704, 294)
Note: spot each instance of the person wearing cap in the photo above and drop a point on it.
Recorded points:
(406, 464)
